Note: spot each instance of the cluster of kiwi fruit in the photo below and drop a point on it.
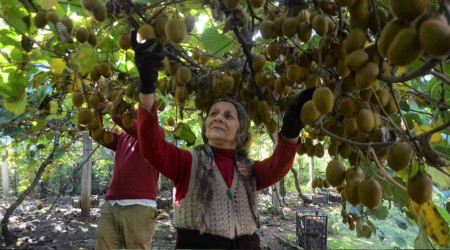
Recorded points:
(97, 8)
(307, 147)
(319, 183)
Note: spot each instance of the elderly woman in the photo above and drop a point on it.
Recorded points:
(215, 184)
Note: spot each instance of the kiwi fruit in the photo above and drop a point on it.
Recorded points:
(323, 99)
(107, 138)
(351, 191)
(387, 35)
(335, 173)
(365, 120)
(94, 101)
(346, 3)
(257, 3)
(183, 74)
(312, 80)
(176, 30)
(296, 73)
(354, 173)
(170, 122)
(52, 17)
(333, 148)
(391, 108)
(26, 43)
(266, 28)
(189, 20)
(350, 127)
(258, 62)
(370, 193)
(272, 127)
(145, 32)
(40, 20)
(359, 9)
(104, 69)
(278, 25)
(84, 116)
(399, 156)
(420, 188)
(279, 86)
(304, 16)
(231, 4)
(434, 37)
(95, 74)
(348, 106)
(127, 120)
(160, 24)
(97, 133)
(405, 48)
(309, 113)
(228, 83)
(345, 150)
(318, 150)
(89, 4)
(304, 31)
(320, 25)
(77, 99)
(82, 35)
(366, 76)
(289, 26)
(383, 97)
(124, 40)
(92, 40)
(181, 93)
(407, 9)
(99, 12)
(342, 69)
(355, 40)
(93, 124)
(356, 59)
(68, 23)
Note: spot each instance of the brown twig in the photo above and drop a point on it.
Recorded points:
(434, 130)
(354, 143)
(383, 170)
(440, 76)
(249, 57)
(411, 75)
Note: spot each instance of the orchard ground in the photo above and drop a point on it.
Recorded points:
(63, 228)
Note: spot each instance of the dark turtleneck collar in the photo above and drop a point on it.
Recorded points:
(229, 153)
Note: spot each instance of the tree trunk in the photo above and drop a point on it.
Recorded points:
(86, 176)
(311, 174)
(297, 182)
(164, 183)
(5, 177)
(9, 237)
(282, 190)
(276, 195)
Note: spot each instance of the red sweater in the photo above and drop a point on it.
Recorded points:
(176, 163)
(133, 177)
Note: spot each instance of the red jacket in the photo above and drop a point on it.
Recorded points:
(175, 163)
(133, 177)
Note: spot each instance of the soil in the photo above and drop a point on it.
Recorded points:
(64, 228)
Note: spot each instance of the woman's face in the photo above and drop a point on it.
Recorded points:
(222, 125)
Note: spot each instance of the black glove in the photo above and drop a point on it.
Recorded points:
(291, 120)
(146, 62)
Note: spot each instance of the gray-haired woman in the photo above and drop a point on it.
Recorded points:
(215, 184)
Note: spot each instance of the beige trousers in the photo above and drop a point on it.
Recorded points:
(125, 226)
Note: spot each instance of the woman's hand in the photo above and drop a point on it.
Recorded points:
(147, 58)
(291, 120)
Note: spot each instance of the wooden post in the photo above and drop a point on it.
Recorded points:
(86, 176)
(276, 187)
(311, 174)
(5, 177)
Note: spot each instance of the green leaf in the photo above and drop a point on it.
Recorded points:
(184, 132)
(86, 59)
(400, 241)
(392, 192)
(13, 131)
(16, 105)
(13, 14)
(6, 38)
(401, 224)
(40, 146)
(439, 179)
(215, 43)
(47, 4)
(421, 241)
(365, 231)
(38, 125)
(143, 2)
(15, 85)
(59, 153)
(445, 215)
(381, 213)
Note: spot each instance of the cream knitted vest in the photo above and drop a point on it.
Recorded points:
(208, 208)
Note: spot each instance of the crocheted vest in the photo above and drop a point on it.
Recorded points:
(208, 206)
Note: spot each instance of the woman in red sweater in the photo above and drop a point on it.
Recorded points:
(216, 184)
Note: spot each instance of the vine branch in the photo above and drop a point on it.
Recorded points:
(424, 69)
(383, 170)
